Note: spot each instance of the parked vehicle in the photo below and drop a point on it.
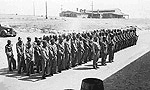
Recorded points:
(7, 31)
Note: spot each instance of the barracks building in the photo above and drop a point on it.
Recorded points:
(83, 13)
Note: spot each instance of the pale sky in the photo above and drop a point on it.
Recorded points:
(135, 8)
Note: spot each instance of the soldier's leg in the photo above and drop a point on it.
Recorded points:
(104, 59)
(59, 64)
(27, 67)
(79, 58)
(51, 67)
(37, 64)
(86, 56)
(73, 60)
(94, 62)
(76, 59)
(31, 66)
(23, 64)
(36, 59)
(47, 68)
(43, 68)
(19, 67)
(55, 65)
(18, 61)
(9, 63)
(111, 56)
(14, 63)
(63, 63)
(67, 62)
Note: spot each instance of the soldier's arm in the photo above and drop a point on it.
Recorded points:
(43, 54)
(6, 50)
(93, 49)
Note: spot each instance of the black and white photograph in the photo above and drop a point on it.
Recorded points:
(74, 44)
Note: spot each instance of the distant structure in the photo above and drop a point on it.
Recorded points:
(83, 13)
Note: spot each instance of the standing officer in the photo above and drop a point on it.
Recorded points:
(86, 48)
(20, 56)
(10, 56)
(60, 54)
(29, 58)
(45, 58)
(110, 48)
(73, 52)
(54, 63)
(80, 50)
(28, 44)
(96, 52)
(67, 53)
(37, 55)
(103, 51)
(50, 62)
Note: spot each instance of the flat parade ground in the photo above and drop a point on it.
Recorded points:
(129, 71)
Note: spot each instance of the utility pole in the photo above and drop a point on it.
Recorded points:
(61, 8)
(33, 9)
(46, 9)
(92, 9)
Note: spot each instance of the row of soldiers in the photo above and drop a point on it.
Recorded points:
(49, 55)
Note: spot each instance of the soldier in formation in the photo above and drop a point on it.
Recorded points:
(53, 54)
(10, 56)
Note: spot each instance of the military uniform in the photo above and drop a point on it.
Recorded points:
(29, 60)
(86, 48)
(54, 47)
(20, 57)
(37, 56)
(51, 60)
(67, 54)
(80, 51)
(110, 48)
(60, 56)
(73, 53)
(103, 51)
(10, 57)
(45, 58)
(96, 53)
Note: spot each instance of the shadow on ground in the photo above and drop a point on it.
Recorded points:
(89, 66)
(135, 76)
(23, 77)
(37, 77)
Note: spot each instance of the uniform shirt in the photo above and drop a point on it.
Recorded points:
(103, 47)
(96, 47)
(73, 47)
(80, 46)
(20, 48)
(45, 53)
(8, 50)
(67, 47)
(51, 51)
(37, 49)
(29, 43)
(54, 49)
(60, 49)
(29, 53)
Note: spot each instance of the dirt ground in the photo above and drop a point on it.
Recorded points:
(70, 79)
